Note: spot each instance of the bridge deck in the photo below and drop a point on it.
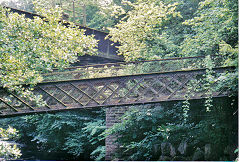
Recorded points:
(109, 91)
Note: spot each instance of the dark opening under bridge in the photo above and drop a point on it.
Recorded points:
(117, 84)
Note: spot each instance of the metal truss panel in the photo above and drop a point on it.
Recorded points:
(109, 91)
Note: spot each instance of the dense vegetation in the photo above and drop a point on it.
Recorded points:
(29, 47)
(74, 132)
(9, 150)
(146, 128)
(145, 29)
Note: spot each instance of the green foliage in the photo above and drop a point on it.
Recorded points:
(8, 150)
(145, 30)
(229, 80)
(144, 126)
(139, 31)
(9, 133)
(75, 132)
(29, 47)
(108, 16)
(209, 81)
(212, 82)
(91, 131)
(215, 21)
(99, 153)
(193, 28)
(25, 5)
(218, 127)
(214, 31)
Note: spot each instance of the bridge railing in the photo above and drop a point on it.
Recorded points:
(131, 68)
(133, 83)
(112, 91)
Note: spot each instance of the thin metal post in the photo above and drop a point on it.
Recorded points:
(73, 11)
(53, 3)
(84, 15)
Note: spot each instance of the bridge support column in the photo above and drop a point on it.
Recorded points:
(112, 116)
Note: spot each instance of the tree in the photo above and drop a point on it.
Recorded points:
(145, 128)
(214, 22)
(73, 133)
(140, 33)
(211, 29)
(105, 16)
(8, 151)
(25, 5)
(30, 47)
(215, 32)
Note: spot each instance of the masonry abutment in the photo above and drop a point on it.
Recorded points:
(113, 115)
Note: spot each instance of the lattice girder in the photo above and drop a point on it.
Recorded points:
(108, 91)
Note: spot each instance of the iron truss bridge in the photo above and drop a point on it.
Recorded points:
(118, 84)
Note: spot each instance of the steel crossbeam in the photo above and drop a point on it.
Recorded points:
(108, 91)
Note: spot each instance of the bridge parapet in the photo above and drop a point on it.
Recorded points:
(111, 91)
(131, 68)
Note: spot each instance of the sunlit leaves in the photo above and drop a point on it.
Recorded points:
(214, 22)
(29, 47)
(8, 151)
(139, 32)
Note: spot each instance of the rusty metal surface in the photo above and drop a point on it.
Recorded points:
(108, 91)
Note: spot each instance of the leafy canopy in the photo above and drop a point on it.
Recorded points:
(139, 30)
(74, 132)
(214, 25)
(29, 47)
(8, 151)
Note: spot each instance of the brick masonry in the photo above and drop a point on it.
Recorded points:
(112, 116)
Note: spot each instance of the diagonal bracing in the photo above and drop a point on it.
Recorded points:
(108, 91)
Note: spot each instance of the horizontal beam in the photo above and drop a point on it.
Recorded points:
(90, 107)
